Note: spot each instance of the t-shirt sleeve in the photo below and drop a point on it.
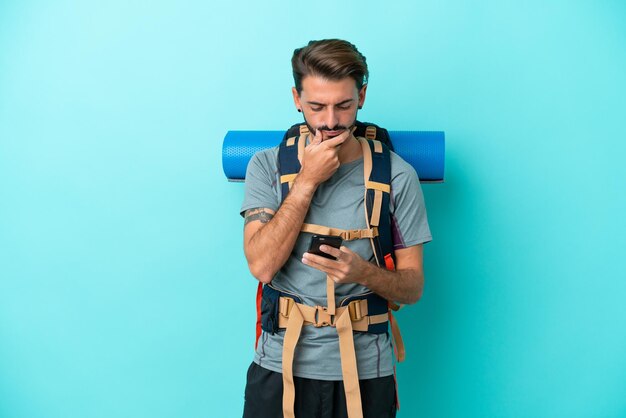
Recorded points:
(261, 189)
(409, 221)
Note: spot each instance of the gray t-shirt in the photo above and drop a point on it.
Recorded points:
(337, 203)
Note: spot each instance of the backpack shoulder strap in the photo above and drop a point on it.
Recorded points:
(377, 177)
(289, 155)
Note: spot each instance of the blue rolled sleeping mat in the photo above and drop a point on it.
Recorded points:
(424, 150)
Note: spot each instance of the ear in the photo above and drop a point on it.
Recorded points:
(362, 95)
(296, 98)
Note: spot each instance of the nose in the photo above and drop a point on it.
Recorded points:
(330, 118)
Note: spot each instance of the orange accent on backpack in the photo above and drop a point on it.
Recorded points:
(259, 296)
(389, 264)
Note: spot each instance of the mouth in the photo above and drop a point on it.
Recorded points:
(332, 134)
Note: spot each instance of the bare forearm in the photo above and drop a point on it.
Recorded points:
(270, 244)
(403, 286)
(269, 248)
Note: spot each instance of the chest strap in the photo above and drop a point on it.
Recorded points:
(345, 234)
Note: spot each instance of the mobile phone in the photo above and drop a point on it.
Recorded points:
(330, 240)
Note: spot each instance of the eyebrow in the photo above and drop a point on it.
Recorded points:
(323, 104)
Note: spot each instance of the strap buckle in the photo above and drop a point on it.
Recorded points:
(354, 308)
(351, 234)
(323, 318)
(286, 306)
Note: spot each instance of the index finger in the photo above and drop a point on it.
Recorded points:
(338, 140)
(335, 252)
(317, 138)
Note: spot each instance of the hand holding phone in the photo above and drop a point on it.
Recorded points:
(330, 240)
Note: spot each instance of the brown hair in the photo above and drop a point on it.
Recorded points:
(333, 59)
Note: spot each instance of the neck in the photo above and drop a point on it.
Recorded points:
(350, 150)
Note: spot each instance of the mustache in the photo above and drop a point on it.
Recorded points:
(335, 128)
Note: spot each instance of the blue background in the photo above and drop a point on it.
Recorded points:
(123, 287)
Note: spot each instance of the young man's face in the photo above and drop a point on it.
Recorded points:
(328, 105)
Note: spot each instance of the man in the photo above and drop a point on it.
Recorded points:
(330, 86)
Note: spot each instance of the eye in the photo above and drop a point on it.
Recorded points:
(316, 109)
(344, 107)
